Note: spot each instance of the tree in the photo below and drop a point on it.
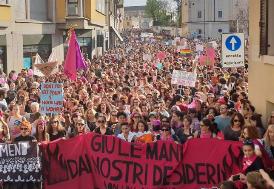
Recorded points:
(179, 12)
(156, 9)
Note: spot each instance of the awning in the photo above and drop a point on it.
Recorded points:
(117, 33)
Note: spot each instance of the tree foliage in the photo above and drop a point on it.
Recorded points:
(179, 11)
(156, 9)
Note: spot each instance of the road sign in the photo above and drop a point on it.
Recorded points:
(233, 50)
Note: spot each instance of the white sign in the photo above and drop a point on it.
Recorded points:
(184, 78)
(233, 46)
(143, 35)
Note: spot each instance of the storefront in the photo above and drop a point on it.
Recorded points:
(3, 53)
(32, 44)
(84, 38)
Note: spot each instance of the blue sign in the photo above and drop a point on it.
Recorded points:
(52, 98)
(27, 63)
(233, 43)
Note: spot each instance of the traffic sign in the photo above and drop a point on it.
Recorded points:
(233, 50)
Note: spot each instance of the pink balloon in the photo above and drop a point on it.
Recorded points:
(14, 77)
(30, 72)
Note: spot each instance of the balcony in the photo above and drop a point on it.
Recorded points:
(5, 17)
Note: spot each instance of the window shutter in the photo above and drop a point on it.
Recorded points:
(263, 27)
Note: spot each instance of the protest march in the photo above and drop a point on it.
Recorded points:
(155, 112)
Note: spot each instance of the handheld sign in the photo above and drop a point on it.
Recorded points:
(233, 50)
(51, 98)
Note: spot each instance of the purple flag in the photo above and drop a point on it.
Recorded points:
(80, 62)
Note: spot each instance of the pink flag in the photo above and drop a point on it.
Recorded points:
(70, 62)
(208, 58)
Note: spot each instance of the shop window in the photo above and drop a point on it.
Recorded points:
(100, 40)
(30, 52)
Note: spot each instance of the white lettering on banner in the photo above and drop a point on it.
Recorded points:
(184, 78)
(11, 150)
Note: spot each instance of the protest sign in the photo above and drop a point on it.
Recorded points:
(209, 58)
(147, 57)
(199, 48)
(99, 161)
(161, 55)
(19, 162)
(51, 98)
(184, 78)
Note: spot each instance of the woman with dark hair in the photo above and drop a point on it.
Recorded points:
(251, 162)
(126, 134)
(186, 132)
(142, 128)
(104, 109)
(41, 133)
(177, 120)
(206, 129)
(166, 134)
(134, 121)
(256, 120)
(102, 126)
(55, 129)
(233, 132)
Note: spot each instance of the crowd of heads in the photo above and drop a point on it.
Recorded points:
(128, 96)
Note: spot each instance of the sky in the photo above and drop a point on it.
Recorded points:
(128, 3)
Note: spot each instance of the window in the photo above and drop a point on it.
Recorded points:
(199, 14)
(220, 30)
(73, 8)
(200, 31)
(38, 10)
(3, 2)
(100, 40)
(264, 27)
(100, 6)
(220, 14)
(270, 28)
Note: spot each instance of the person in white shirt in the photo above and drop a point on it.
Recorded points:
(126, 135)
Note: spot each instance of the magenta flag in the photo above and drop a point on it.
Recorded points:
(74, 59)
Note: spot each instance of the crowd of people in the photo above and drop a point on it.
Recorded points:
(124, 95)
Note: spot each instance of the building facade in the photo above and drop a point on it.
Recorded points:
(38, 26)
(135, 18)
(261, 56)
(211, 18)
